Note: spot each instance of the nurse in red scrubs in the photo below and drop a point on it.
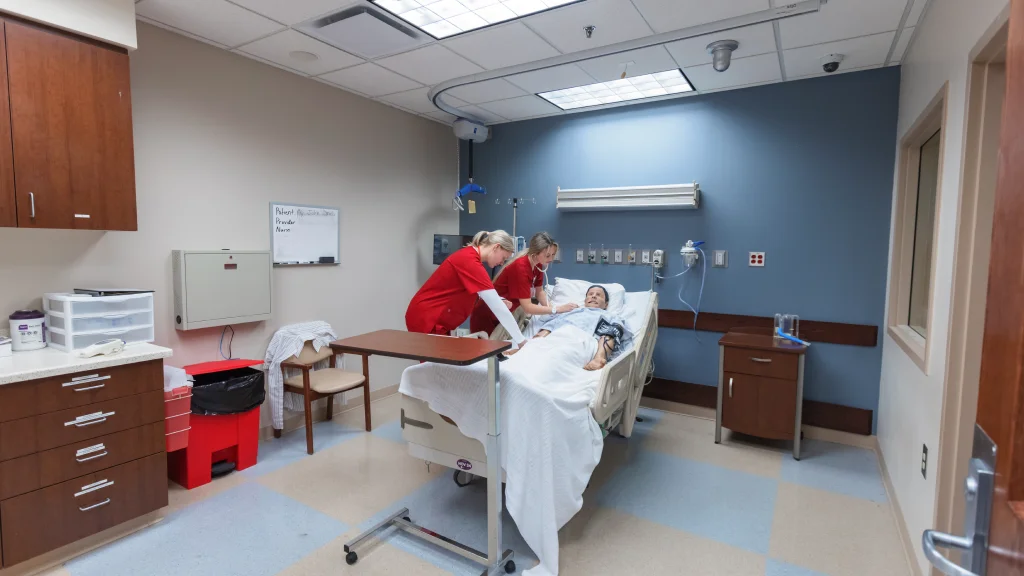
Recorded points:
(519, 282)
(445, 301)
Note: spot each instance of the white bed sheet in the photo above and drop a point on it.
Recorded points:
(550, 441)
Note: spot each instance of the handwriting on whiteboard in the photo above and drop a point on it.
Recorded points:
(304, 234)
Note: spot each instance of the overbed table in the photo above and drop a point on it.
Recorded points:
(456, 352)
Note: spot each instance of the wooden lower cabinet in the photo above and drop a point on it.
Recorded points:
(40, 521)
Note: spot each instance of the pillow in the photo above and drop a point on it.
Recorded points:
(576, 291)
(637, 305)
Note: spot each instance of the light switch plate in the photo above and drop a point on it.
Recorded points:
(617, 256)
(580, 258)
(720, 259)
(757, 259)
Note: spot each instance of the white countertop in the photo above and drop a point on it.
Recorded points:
(48, 362)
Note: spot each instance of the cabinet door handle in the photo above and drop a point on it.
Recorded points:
(730, 387)
(761, 360)
(32, 204)
(97, 505)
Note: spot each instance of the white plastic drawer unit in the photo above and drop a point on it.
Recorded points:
(220, 287)
(76, 321)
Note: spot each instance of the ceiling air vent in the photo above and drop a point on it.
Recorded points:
(365, 31)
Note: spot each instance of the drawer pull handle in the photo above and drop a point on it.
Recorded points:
(94, 487)
(730, 387)
(762, 360)
(88, 388)
(89, 419)
(100, 455)
(85, 380)
(97, 505)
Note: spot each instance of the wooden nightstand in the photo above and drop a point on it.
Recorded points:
(760, 387)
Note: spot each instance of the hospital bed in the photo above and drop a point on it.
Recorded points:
(435, 438)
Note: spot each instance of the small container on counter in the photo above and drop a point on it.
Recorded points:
(28, 330)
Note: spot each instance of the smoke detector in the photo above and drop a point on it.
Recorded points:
(721, 53)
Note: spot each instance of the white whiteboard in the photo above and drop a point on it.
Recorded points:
(301, 234)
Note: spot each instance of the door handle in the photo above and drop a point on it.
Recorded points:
(932, 540)
(32, 204)
(730, 387)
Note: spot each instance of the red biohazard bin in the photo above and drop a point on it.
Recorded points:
(231, 437)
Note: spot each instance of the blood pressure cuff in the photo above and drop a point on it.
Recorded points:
(611, 330)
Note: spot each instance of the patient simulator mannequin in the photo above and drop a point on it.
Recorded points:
(609, 329)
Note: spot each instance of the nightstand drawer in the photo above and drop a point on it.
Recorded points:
(45, 395)
(761, 363)
(29, 435)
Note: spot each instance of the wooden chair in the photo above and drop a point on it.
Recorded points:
(324, 383)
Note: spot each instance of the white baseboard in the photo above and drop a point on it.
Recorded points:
(909, 544)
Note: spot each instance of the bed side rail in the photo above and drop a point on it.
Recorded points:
(614, 386)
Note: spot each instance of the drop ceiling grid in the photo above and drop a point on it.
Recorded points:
(269, 18)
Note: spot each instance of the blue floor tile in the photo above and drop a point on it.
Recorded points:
(390, 431)
(777, 568)
(457, 513)
(703, 499)
(276, 453)
(837, 468)
(249, 530)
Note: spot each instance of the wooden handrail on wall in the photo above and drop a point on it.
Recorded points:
(810, 330)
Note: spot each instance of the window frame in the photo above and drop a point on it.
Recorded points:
(931, 120)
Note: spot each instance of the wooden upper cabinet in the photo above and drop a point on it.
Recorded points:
(8, 205)
(70, 114)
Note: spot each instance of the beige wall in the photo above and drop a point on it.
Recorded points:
(217, 137)
(910, 403)
(111, 21)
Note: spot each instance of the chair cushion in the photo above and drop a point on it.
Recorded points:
(328, 380)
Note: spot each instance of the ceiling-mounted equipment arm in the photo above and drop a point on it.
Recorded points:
(770, 15)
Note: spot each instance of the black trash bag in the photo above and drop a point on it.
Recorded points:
(228, 392)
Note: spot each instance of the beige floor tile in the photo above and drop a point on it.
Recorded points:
(381, 412)
(375, 558)
(353, 480)
(835, 534)
(613, 542)
(694, 438)
(178, 497)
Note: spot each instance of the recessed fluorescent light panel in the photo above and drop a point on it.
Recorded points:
(624, 90)
(445, 18)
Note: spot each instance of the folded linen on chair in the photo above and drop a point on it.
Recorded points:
(287, 342)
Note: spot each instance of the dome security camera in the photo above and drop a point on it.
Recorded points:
(830, 62)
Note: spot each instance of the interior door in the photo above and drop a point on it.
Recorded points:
(994, 491)
(36, 63)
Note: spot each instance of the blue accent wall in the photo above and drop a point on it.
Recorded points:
(800, 170)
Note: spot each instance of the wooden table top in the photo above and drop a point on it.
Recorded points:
(761, 342)
(422, 347)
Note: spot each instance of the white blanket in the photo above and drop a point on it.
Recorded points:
(550, 441)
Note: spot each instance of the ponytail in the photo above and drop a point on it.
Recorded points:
(497, 237)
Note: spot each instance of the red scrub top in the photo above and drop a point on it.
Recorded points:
(514, 283)
(444, 302)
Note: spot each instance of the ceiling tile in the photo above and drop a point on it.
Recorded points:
(857, 53)
(667, 15)
(502, 46)
(370, 79)
(754, 40)
(616, 21)
(901, 45)
(430, 65)
(742, 72)
(555, 78)
(487, 91)
(294, 11)
(215, 20)
(481, 114)
(443, 117)
(841, 19)
(915, 12)
(180, 32)
(287, 48)
(522, 107)
(644, 61)
(415, 100)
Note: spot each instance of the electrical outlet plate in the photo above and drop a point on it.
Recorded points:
(605, 256)
(631, 257)
(645, 257)
(757, 259)
(580, 258)
(719, 259)
(617, 256)
(558, 255)
(593, 256)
